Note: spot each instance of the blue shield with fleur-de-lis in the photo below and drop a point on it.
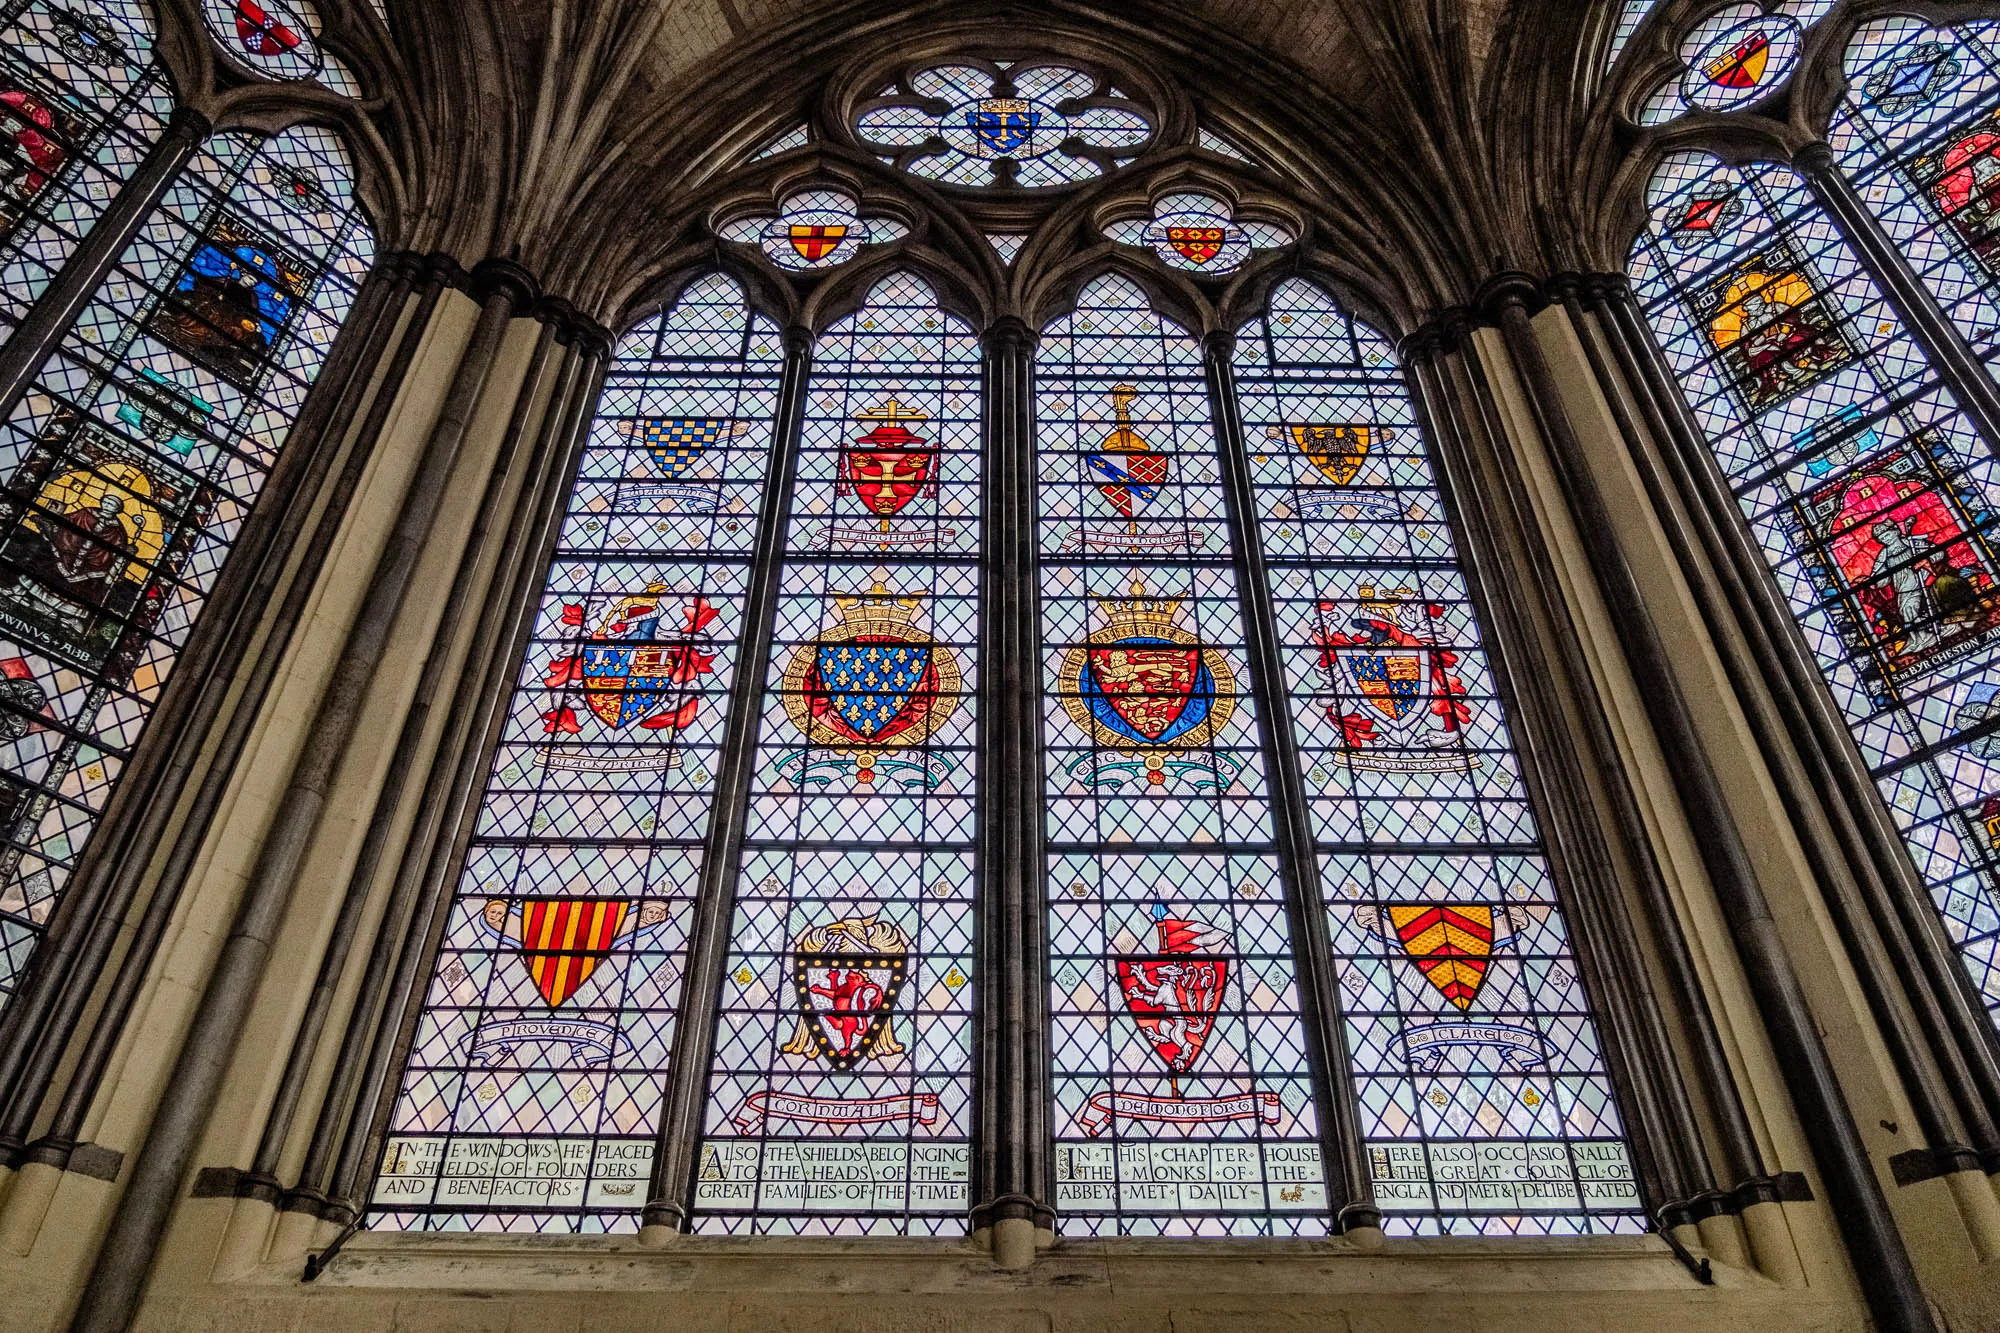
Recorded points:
(871, 685)
(1003, 125)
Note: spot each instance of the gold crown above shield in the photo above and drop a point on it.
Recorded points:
(878, 606)
(1138, 612)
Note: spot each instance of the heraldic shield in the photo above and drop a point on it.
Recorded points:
(890, 465)
(1143, 682)
(1175, 994)
(1002, 125)
(874, 681)
(848, 974)
(1129, 473)
(628, 676)
(1337, 451)
(1451, 944)
(814, 242)
(1197, 245)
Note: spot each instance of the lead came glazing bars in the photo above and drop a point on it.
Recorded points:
(532, 1095)
(1484, 1098)
(840, 1098)
(1868, 490)
(131, 465)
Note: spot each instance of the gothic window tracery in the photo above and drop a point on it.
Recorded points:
(834, 1086)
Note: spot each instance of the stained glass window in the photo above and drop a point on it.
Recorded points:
(1005, 123)
(81, 99)
(1917, 135)
(1183, 1101)
(1484, 1098)
(532, 1097)
(1735, 57)
(814, 229)
(1868, 491)
(840, 1099)
(278, 39)
(1198, 233)
(1633, 15)
(130, 465)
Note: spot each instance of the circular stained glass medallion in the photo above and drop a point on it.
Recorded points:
(1741, 64)
(269, 36)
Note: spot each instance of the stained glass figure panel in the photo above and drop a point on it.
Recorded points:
(1183, 1100)
(130, 465)
(531, 1100)
(840, 1097)
(1869, 492)
(1484, 1097)
(1916, 134)
(81, 100)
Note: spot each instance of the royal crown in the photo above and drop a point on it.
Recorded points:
(1138, 611)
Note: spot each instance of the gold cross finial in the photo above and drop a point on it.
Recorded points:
(890, 413)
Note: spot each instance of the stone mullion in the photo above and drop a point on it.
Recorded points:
(669, 1204)
(55, 311)
(1350, 1187)
(1012, 1195)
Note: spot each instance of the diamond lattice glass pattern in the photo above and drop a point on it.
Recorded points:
(532, 1096)
(81, 100)
(1868, 491)
(1183, 1101)
(131, 463)
(1484, 1096)
(277, 38)
(1004, 123)
(840, 1097)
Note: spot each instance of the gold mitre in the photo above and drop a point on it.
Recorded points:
(1138, 612)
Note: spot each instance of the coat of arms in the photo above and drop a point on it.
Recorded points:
(1175, 992)
(1402, 710)
(890, 465)
(815, 241)
(1197, 245)
(560, 942)
(1143, 685)
(675, 445)
(1452, 945)
(871, 685)
(1129, 473)
(1002, 126)
(848, 974)
(1742, 65)
(633, 673)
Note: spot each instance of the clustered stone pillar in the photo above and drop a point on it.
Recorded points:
(1011, 1202)
(1857, 1200)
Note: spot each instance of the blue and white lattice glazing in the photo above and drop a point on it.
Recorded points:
(1485, 1102)
(532, 1095)
(1183, 1097)
(1868, 490)
(814, 229)
(81, 100)
(840, 1097)
(1198, 233)
(1005, 123)
(131, 464)
(1735, 57)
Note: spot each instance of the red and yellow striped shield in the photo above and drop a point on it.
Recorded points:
(1450, 943)
(563, 940)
